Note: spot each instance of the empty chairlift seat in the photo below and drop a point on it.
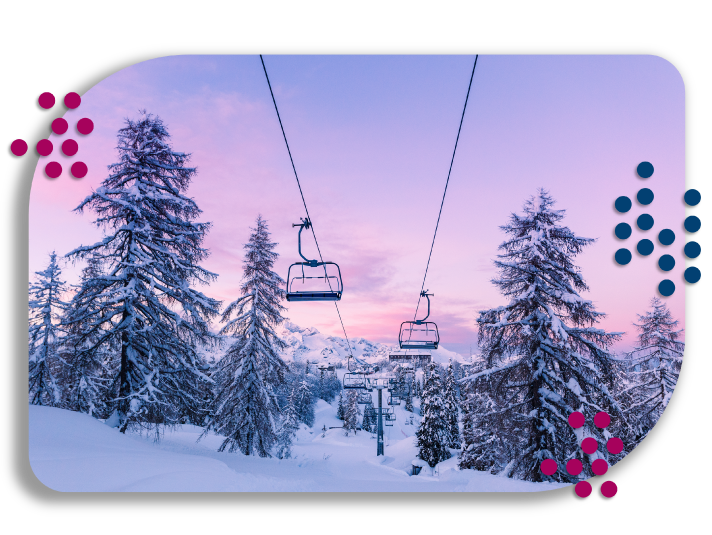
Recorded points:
(419, 334)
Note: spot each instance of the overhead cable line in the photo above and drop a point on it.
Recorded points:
(447, 182)
(301, 193)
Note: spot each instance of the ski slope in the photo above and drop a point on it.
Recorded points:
(73, 452)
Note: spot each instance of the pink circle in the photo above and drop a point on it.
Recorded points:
(599, 467)
(46, 100)
(548, 467)
(53, 169)
(79, 169)
(574, 467)
(72, 100)
(601, 419)
(44, 147)
(85, 126)
(614, 445)
(70, 147)
(59, 126)
(576, 420)
(583, 489)
(589, 445)
(18, 147)
(609, 489)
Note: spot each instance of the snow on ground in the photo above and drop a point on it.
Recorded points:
(73, 452)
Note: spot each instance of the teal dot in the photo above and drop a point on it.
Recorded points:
(666, 262)
(692, 224)
(645, 196)
(645, 247)
(645, 222)
(692, 197)
(645, 169)
(692, 249)
(623, 204)
(623, 231)
(692, 275)
(666, 288)
(666, 237)
(623, 256)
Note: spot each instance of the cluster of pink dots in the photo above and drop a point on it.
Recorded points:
(60, 126)
(589, 445)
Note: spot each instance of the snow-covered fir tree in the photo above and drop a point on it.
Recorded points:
(432, 436)
(654, 366)
(145, 302)
(46, 307)
(304, 403)
(369, 418)
(544, 355)
(351, 412)
(250, 374)
(451, 407)
(289, 427)
(482, 449)
(340, 409)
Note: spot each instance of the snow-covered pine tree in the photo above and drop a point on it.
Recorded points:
(147, 305)
(432, 435)
(654, 366)
(368, 420)
(304, 403)
(481, 449)
(542, 350)
(87, 374)
(451, 407)
(340, 409)
(251, 373)
(409, 401)
(45, 309)
(351, 413)
(290, 425)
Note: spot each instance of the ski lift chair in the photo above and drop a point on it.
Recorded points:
(313, 280)
(419, 334)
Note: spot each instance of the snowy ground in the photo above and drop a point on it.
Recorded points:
(73, 452)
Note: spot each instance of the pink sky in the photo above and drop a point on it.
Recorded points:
(372, 138)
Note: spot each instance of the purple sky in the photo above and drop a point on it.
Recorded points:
(372, 138)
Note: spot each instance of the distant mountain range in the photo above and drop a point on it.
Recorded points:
(307, 343)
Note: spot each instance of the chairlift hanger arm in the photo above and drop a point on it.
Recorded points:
(305, 224)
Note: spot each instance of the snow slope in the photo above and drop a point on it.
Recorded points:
(73, 452)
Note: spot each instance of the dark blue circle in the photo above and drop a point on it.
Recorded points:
(645, 247)
(692, 197)
(666, 262)
(645, 196)
(623, 256)
(666, 236)
(692, 249)
(623, 204)
(645, 222)
(623, 231)
(666, 288)
(645, 169)
(692, 275)
(692, 224)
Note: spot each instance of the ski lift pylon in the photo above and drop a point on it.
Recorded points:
(313, 280)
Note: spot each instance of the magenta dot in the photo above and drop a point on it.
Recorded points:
(44, 147)
(70, 147)
(46, 100)
(85, 126)
(583, 489)
(574, 467)
(601, 419)
(589, 445)
(72, 100)
(548, 466)
(79, 169)
(576, 420)
(18, 147)
(53, 169)
(614, 445)
(609, 489)
(59, 126)
(599, 467)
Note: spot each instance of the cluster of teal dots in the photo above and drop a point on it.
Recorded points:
(666, 237)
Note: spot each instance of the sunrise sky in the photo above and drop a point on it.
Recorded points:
(372, 138)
